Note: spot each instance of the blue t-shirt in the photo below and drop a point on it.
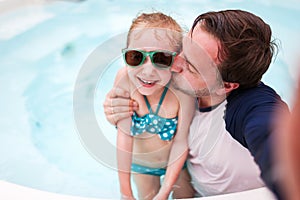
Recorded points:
(250, 120)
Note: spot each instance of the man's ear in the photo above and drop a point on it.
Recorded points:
(230, 86)
(227, 88)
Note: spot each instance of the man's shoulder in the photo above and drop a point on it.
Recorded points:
(245, 105)
(259, 94)
(252, 101)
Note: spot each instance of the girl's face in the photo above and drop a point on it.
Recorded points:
(148, 78)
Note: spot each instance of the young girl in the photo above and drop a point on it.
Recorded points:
(153, 142)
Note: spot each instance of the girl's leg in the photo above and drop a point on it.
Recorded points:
(147, 185)
(183, 187)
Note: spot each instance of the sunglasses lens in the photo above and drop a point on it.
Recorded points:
(133, 57)
(162, 59)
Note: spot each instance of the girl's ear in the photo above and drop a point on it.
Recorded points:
(227, 88)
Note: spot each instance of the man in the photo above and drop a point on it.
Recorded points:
(287, 146)
(239, 43)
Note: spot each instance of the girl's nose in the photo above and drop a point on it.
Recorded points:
(147, 67)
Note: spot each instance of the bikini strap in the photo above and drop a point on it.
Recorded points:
(160, 100)
(148, 104)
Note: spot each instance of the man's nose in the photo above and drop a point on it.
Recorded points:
(177, 65)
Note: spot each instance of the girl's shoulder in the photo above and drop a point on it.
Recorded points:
(122, 80)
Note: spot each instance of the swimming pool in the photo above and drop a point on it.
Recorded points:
(43, 51)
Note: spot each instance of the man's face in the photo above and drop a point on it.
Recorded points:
(195, 68)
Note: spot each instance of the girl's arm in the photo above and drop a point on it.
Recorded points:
(179, 150)
(124, 157)
(124, 143)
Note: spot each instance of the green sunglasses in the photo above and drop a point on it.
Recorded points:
(160, 58)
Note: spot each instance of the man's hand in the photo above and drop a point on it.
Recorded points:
(118, 105)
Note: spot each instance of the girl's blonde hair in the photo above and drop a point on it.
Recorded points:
(160, 21)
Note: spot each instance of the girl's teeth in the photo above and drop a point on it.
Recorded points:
(146, 82)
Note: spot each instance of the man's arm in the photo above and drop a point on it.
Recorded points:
(250, 119)
(118, 105)
(259, 135)
(287, 148)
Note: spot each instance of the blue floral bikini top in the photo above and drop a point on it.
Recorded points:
(152, 123)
